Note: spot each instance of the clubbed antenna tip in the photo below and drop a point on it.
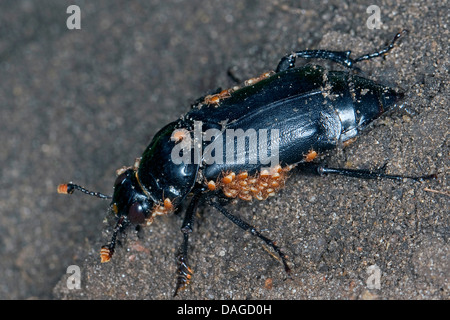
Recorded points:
(68, 188)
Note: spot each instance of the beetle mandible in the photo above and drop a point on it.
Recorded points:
(308, 110)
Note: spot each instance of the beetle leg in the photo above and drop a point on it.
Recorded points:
(247, 227)
(232, 76)
(341, 57)
(383, 51)
(184, 271)
(368, 174)
(107, 251)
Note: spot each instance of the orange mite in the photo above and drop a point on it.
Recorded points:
(311, 156)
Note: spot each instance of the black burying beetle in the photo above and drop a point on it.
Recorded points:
(308, 111)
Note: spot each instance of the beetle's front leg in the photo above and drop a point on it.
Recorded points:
(107, 251)
(184, 271)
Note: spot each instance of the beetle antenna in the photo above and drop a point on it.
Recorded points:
(69, 188)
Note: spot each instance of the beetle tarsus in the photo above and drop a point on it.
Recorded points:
(369, 174)
(383, 51)
(184, 273)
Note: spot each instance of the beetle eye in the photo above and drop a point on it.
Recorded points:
(136, 213)
(121, 178)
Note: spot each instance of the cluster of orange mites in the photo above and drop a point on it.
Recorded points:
(262, 185)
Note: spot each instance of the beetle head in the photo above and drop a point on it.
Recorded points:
(130, 203)
(130, 200)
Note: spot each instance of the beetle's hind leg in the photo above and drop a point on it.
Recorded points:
(247, 227)
(341, 57)
(366, 174)
(383, 51)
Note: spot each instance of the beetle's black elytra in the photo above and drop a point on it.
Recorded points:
(307, 110)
